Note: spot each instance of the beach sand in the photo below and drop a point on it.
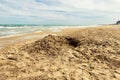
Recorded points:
(72, 54)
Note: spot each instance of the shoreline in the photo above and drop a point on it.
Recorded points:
(60, 28)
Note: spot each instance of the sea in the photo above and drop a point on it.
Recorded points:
(7, 30)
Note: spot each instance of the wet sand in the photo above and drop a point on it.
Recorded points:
(72, 54)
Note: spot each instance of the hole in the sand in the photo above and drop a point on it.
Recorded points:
(73, 42)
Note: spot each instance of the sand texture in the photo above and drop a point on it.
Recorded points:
(83, 54)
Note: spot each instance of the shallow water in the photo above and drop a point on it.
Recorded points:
(13, 30)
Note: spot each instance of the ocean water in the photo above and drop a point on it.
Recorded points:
(12, 29)
(9, 30)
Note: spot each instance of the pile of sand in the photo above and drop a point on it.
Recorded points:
(52, 45)
(87, 54)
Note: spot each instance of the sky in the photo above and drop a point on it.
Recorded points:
(59, 12)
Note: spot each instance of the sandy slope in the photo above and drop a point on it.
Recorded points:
(84, 54)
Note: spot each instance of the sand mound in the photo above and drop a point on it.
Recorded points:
(83, 55)
(52, 45)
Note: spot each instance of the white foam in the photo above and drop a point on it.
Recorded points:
(37, 31)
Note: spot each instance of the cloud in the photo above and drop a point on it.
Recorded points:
(60, 11)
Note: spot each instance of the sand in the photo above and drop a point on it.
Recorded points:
(73, 54)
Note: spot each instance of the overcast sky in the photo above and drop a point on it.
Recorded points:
(70, 12)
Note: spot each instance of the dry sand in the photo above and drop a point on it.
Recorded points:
(73, 54)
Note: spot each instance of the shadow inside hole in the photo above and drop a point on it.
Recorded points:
(73, 42)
